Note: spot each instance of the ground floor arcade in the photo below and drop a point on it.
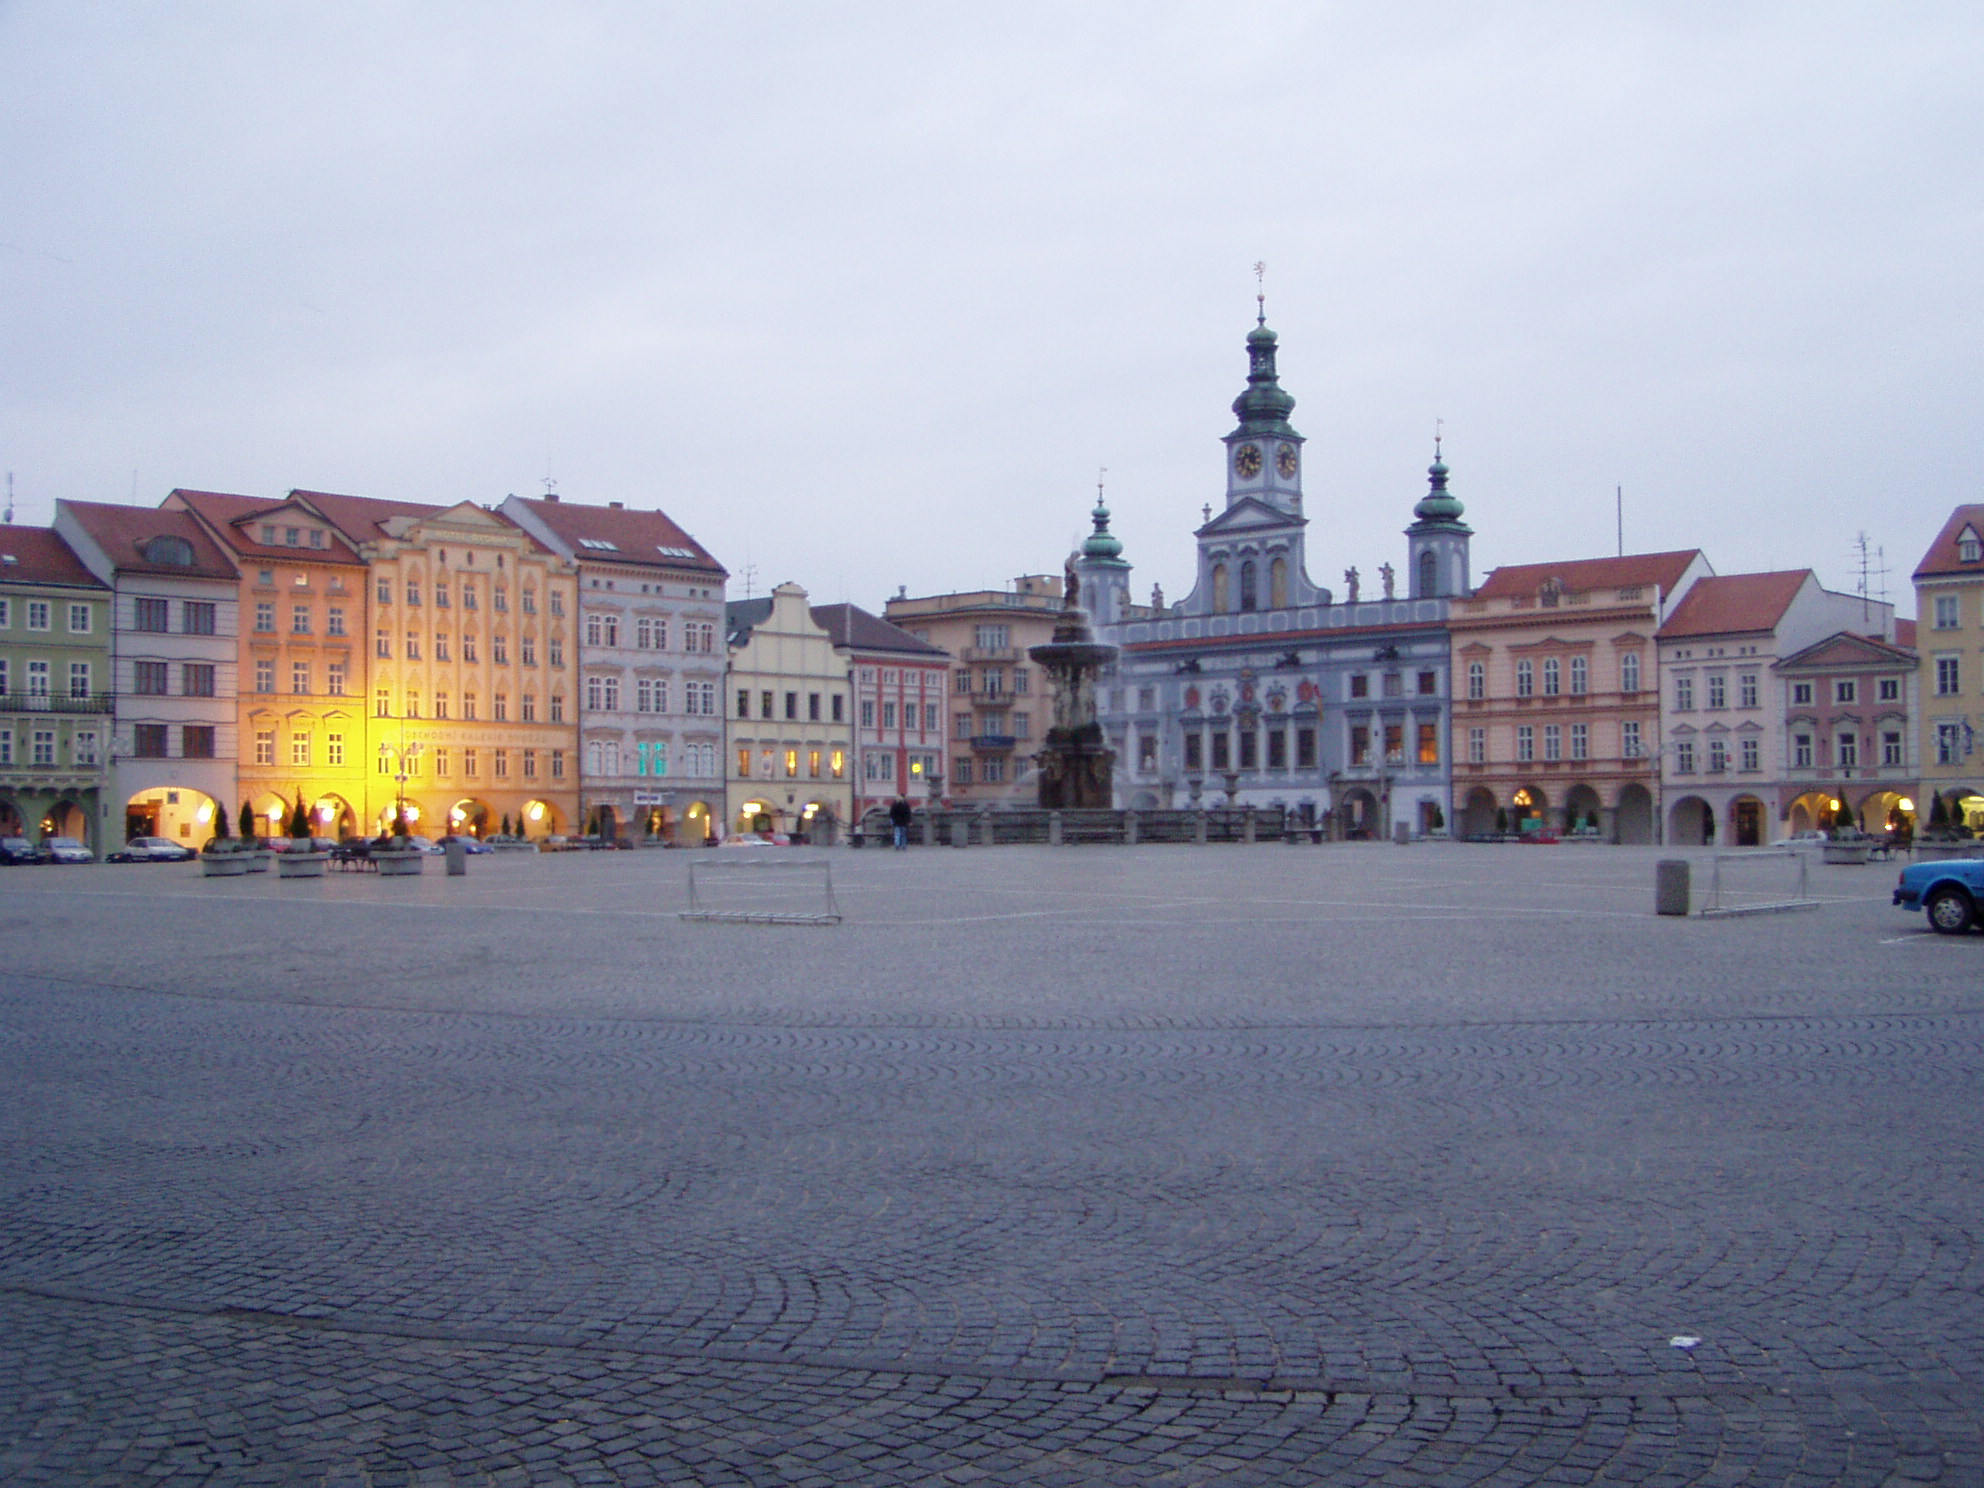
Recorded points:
(1611, 811)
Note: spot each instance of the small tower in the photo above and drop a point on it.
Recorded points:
(1264, 454)
(1436, 543)
(1105, 574)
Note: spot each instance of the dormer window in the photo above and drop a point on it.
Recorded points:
(1549, 592)
(168, 552)
(292, 537)
(1969, 546)
(316, 537)
(269, 534)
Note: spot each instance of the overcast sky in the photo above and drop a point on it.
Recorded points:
(864, 295)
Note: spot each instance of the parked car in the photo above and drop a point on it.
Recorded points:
(151, 850)
(20, 851)
(423, 844)
(68, 850)
(470, 845)
(300, 844)
(1950, 891)
(1798, 838)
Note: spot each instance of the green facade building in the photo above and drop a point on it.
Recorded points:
(55, 690)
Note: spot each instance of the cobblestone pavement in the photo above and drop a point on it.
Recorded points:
(1434, 1166)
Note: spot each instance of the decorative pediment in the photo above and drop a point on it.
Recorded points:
(1552, 643)
(1629, 638)
(1249, 515)
(1477, 648)
(1844, 649)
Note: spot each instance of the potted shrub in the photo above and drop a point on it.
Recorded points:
(253, 848)
(303, 860)
(399, 858)
(222, 856)
(1846, 844)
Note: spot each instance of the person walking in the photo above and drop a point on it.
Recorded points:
(899, 815)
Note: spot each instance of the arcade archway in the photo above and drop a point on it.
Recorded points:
(1477, 816)
(1634, 818)
(175, 812)
(469, 817)
(1691, 823)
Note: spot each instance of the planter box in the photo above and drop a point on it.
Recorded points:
(398, 862)
(223, 865)
(302, 864)
(258, 862)
(1848, 854)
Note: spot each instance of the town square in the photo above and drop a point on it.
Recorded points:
(1038, 746)
(1170, 1164)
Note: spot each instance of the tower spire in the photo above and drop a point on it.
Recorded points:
(1261, 291)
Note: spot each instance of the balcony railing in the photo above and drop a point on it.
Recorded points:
(993, 741)
(35, 702)
(991, 653)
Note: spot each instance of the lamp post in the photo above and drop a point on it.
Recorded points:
(403, 755)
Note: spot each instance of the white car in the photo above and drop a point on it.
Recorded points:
(152, 850)
(68, 850)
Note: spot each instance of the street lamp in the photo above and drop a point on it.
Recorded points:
(404, 756)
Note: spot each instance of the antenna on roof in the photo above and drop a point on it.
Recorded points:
(1873, 572)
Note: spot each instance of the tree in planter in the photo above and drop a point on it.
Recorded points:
(1501, 819)
(1939, 815)
(506, 824)
(399, 823)
(247, 822)
(1842, 820)
(299, 820)
(220, 841)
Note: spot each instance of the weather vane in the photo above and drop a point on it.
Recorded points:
(1100, 472)
(1438, 424)
(1261, 288)
(550, 485)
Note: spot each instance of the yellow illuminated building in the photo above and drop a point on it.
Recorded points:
(470, 698)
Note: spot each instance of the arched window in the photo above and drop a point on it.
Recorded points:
(1477, 681)
(1429, 573)
(1580, 675)
(1629, 672)
(1553, 676)
(1525, 677)
(1278, 584)
(1219, 594)
(1247, 596)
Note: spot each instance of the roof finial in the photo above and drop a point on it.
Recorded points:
(1438, 424)
(1100, 472)
(1261, 290)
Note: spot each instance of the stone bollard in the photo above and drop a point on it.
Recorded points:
(929, 829)
(1199, 828)
(1670, 886)
(1402, 833)
(985, 826)
(457, 857)
(1247, 826)
(960, 831)
(1129, 829)
(1053, 829)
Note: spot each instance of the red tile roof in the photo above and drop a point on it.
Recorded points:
(1844, 648)
(1728, 604)
(37, 555)
(646, 537)
(364, 518)
(1633, 570)
(854, 627)
(233, 517)
(122, 530)
(1941, 557)
(1904, 634)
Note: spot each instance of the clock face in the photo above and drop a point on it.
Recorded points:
(1247, 460)
(1284, 461)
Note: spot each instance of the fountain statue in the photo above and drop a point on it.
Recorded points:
(1076, 767)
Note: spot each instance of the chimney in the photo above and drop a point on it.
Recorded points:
(617, 505)
(552, 497)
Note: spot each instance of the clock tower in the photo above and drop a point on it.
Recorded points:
(1263, 454)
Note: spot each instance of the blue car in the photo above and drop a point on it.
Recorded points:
(1952, 891)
